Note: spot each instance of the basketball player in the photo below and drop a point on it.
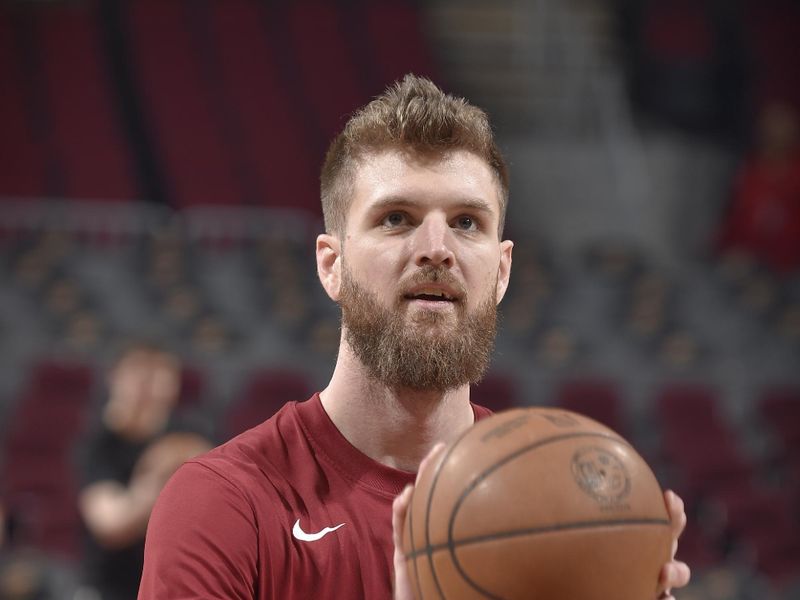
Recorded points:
(414, 193)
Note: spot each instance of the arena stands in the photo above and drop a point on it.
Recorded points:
(217, 114)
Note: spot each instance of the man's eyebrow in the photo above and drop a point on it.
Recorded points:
(468, 203)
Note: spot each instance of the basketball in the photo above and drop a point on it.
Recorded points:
(537, 504)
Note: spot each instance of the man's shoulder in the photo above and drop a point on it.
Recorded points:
(258, 452)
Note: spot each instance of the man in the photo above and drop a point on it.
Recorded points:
(130, 457)
(414, 194)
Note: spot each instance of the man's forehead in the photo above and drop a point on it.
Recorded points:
(413, 158)
(392, 173)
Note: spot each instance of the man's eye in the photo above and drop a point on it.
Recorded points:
(394, 219)
(466, 223)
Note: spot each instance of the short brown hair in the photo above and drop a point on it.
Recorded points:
(412, 114)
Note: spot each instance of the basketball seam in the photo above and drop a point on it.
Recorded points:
(428, 514)
(536, 531)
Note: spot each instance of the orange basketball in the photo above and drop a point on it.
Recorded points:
(537, 504)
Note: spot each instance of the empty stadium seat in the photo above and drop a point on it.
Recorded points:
(692, 406)
(40, 488)
(596, 398)
(779, 406)
(389, 21)
(21, 152)
(87, 135)
(327, 73)
(179, 103)
(497, 392)
(275, 142)
(264, 393)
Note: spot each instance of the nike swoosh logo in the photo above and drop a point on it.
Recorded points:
(312, 537)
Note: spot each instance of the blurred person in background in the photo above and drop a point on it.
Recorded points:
(764, 216)
(137, 446)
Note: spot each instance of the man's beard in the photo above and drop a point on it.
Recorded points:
(423, 350)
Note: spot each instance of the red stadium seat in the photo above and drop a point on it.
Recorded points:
(688, 406)
(765, 522)
(192, 387)
(390, 22)
(66, 378)
(779, 406)
(596, 398)
(38, 474)
(87, 134)
(496, 392)
(179, 103)
(697, 549)
(327, 72)
(273, 143)
(263, 395)
(21, 153)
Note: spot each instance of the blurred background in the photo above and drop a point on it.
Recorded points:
(159, 168)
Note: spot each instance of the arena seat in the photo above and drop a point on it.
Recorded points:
(21, 155)
(596, 398)
(697, 442)
(326, 70)
(38, 472)
(179, 104)
(697, 549)
(708, 465)
(264, 393)
(764, 521)
(779, 406)
(388, 22)
(688, 406)
(777, 554)
(497, 391)
(274, 138)
(772, 31)
(87, 133)
(192, 387)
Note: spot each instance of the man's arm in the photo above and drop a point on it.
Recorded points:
(116, 514)
(201, 541)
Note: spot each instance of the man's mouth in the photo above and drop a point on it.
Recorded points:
(430, 295)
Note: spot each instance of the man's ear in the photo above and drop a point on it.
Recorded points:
(329, 265)
(504, 269)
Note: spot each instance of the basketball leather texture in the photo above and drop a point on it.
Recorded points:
(537, 504)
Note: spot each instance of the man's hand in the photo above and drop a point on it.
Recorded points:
(674, 574)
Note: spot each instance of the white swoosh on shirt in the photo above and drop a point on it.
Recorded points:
(312, 537)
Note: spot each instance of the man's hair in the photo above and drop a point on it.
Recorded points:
(411, 115)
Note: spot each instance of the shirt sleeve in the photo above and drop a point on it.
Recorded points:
(201, 540)
(103, 460)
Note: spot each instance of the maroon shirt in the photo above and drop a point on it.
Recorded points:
(226, 525)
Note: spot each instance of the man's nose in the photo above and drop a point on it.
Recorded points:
(433, 243)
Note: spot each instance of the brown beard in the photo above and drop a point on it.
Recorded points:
(429, 351)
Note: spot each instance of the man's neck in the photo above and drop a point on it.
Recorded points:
(396, 427)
